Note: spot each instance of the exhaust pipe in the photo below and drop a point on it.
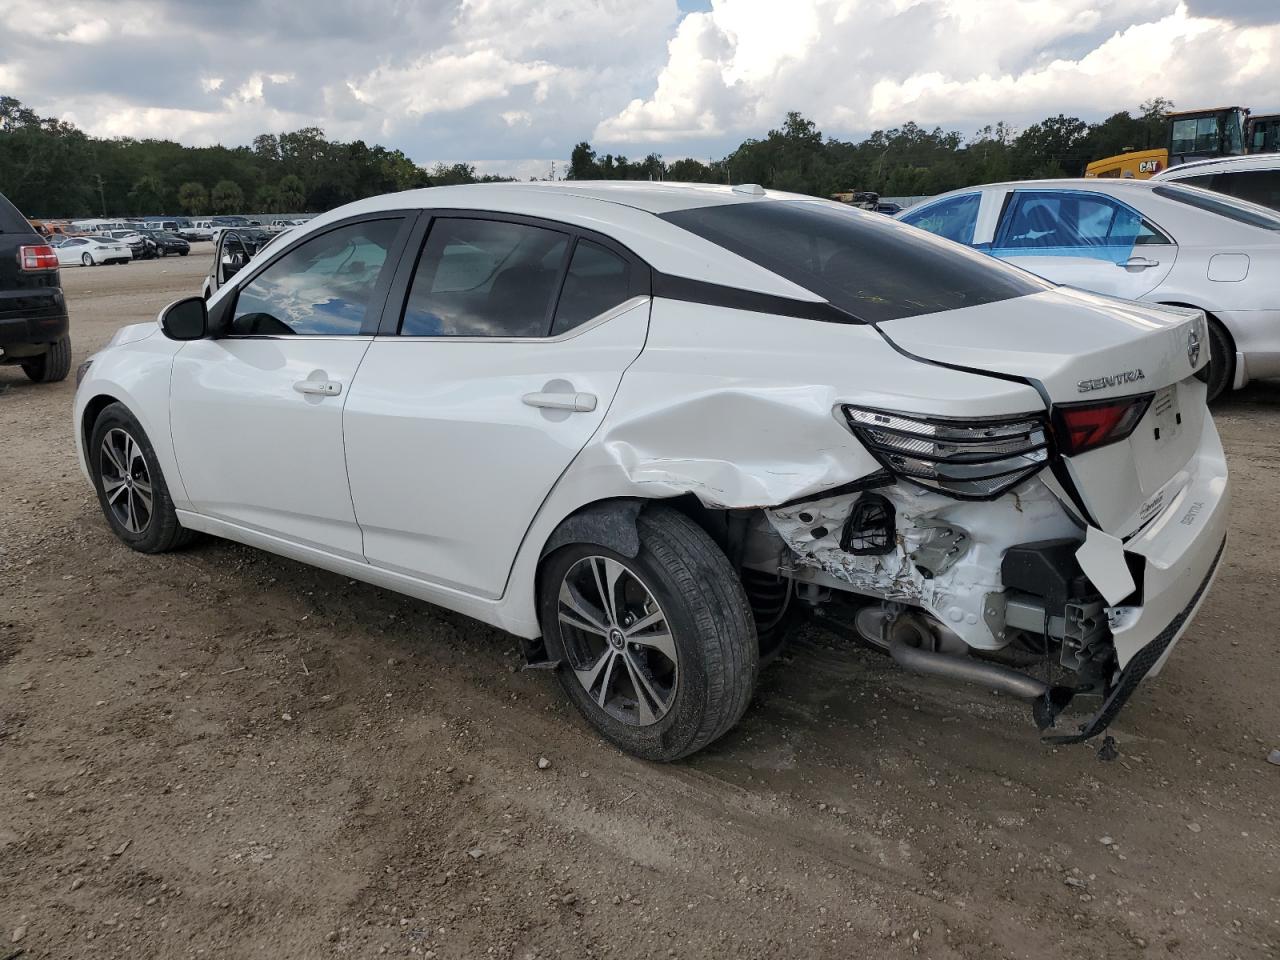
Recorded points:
(907, 639)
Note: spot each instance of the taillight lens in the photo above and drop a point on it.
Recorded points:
(969, 459)
(1086, 426)
(37, 257)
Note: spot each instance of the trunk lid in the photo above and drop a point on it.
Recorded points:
(1079, 347)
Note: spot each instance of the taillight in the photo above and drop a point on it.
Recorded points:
(970, 459)
(1086, 426)
(36, 258)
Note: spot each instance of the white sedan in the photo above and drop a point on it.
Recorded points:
(89, 251)
(641, 425)
(1140, 240)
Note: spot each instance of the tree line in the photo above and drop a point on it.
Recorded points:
(50, 168)
(901, 162)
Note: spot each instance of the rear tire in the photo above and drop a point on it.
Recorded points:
(131, 489)
(1222, 361)
(53, 365)
(86, 259)
(683, 587)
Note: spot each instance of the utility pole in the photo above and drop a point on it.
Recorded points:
(101, 195)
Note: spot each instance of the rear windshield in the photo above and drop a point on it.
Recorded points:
(1221, 205)
(864, 263)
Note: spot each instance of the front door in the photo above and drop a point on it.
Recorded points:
(1085, 240)
(257, 410)
(499, 365)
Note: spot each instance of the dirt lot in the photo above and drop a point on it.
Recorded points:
(218, 753)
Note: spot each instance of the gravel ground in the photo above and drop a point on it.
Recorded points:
(219, 753)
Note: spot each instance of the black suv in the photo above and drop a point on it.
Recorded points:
(33, 312)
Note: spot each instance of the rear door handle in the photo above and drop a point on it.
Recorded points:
(575, 402)
(319, 388)
(1139, 263)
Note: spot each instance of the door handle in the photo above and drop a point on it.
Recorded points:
(319, 388)
(1138, 263)
(574, 402)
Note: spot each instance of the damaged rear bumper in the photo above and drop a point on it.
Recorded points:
(1145, 662)
(1179, 555)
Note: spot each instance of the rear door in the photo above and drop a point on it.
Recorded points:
(1085, 240)
(501, 349)
(257, 411)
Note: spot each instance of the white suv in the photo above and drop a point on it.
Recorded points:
(641, 425)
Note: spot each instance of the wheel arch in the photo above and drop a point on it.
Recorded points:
(1221, 325)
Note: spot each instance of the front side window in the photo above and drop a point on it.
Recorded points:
(953, 218)
(868, 265)
(485, 278)
(323, 287)
(1071, 224)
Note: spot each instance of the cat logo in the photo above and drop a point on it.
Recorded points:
(1149, 166)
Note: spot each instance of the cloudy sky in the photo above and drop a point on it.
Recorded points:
(513, 84)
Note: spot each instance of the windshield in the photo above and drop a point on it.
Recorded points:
(863, 263)
(1220, 204)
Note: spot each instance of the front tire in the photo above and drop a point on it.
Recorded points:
(657, 651)
(51, 366)
(131, 489)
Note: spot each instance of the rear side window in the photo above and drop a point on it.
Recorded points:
(598, 279)
(866, 264)
(1255, 186)
(323, 287)
(953, 218)
(485, 278)
(1223, 206)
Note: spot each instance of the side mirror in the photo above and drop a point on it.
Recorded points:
(185, 319)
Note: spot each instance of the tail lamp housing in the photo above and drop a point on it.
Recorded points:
(37, 258)
(1080, 427)
(970, 459)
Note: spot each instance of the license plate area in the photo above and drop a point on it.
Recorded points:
(1166, 415)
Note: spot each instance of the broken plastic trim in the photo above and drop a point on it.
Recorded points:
(1139, 666)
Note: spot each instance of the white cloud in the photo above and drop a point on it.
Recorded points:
(447, 82)
(503, 81)
(853, 65)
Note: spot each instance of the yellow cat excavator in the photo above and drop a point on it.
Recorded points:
(1196, 135)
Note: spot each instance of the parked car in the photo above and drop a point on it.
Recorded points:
(1140, 240)
(198, 230)
(232, 251)
(91, 251)
(638, 425)
(1254, 177)
(33, 312)
(136, 242)
(163, 243)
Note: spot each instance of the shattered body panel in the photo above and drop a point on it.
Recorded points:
(955, 594)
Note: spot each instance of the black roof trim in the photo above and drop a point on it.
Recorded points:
(671, 287)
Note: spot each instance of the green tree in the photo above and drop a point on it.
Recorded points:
(148, 194)
(193, 198)
(226, 197)
(582, 163)
(291, 194)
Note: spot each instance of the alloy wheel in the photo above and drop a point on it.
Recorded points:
(126, 482)
(86, 259)
(617, 640)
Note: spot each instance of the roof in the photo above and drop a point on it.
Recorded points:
(1250, 161)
